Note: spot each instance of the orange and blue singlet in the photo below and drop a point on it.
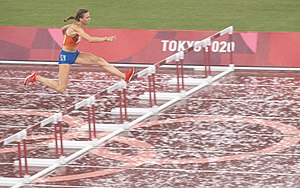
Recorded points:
(71, 41)
(69, 57)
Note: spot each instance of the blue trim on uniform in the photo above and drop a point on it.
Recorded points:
(67, 57)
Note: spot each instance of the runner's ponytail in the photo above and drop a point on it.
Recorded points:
(79, 14)
(69, 18)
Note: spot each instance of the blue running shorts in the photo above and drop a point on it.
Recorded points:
(67, 57)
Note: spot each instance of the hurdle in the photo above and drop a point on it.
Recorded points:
(179, 61)
(123, 111)
(19, 138)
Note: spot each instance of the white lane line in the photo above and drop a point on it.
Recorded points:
(45, 94)
(211, 133)
(201, 151)
(193, 170)
(244, 100)
(224, 116)
(73, 80)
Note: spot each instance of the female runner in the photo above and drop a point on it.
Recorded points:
(69, 54)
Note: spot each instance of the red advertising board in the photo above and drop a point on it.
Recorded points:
(150, 46)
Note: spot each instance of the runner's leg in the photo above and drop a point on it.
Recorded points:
(90, 59)
(63, 78)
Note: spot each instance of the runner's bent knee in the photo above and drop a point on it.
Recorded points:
(61, 89)
(101, 61)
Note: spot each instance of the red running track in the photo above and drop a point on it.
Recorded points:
(242, 131)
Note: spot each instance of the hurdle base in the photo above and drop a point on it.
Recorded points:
(188, 81)
(37, 162)
(73, 144)
(103, 127)
(160, 96)
(11, 181)
(132, 111)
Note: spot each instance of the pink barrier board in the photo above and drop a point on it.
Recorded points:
(275, 49)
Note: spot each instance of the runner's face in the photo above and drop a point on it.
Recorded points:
(86, 19)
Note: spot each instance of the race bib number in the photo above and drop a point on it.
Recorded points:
(62, 57)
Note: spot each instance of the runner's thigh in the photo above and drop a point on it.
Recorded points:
(63, 74)
(85, 58)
